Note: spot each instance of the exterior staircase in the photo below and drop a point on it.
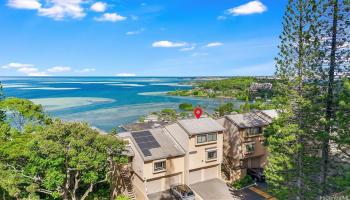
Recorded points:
(126, 176)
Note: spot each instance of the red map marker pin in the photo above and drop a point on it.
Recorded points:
(198, 112)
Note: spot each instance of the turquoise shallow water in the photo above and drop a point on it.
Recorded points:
(104, 102)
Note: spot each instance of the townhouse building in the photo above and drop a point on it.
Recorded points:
(186, 152)
(243, 145)
(195, 152)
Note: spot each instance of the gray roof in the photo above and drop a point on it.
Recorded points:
(267, 115)
(165, 148)
(247, 120)
(201, 125)
(128, 152)
(270, 113)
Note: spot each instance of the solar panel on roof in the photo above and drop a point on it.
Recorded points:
(145, 141)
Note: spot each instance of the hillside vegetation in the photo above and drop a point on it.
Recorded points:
(235, 87)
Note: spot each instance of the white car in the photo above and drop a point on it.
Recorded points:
(182, 192)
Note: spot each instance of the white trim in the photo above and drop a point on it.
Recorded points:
(211, 150)
(158, 161)
(206, 135)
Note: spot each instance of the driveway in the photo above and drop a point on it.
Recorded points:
(165, 195)
(254, 193)
(212, 189)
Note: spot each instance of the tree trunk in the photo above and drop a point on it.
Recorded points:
(329, 100)
(76, 185)
(87, 192)
(300, 94)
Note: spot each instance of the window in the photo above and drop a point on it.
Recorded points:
(253, 131)
(250, 148)
(209, 137)
(212, 154)
(159, 166)
(201, 138)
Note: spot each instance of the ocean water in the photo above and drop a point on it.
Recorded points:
(104, 102)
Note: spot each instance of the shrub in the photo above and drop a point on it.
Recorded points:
(186, 107)
(122, 197)
(241, 183)
(225, 109)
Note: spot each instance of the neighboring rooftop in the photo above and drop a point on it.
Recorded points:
(267, 115)
(154, 144)
(201, 125)
(270, 113)
(143, 125)
(247, 120)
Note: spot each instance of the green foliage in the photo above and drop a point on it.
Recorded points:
(343, 118)
(168, 114)
(243, 182)
(122, 197)
(2, 112)
(235, 87)
(186, 107)
(180, 93)
(114, 131)
(184, 115)
(22, 111)
(261, 105)
(37, 164)
(245, 108)
(292, 167)
(225, 109)
(142, 119)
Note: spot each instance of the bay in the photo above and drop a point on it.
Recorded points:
(105, 102)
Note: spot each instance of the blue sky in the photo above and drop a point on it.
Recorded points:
(142, 38)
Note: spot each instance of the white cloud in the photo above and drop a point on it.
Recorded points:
(214, 44)
(135, 32)
(63, 8)
(27, 69)
(251, 7)
(112, 17)
(24, 4)
(125, 74)
(187, 48)
(99, 6)
(86, 70)
(16, 65)
(59, 69)
(168, 44)
(56, 9)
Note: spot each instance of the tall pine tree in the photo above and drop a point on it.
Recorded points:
(289, 170)
(336, 51)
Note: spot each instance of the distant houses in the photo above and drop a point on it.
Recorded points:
(195, 152)
(260, 86)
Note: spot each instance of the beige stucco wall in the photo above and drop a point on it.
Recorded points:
(197, 153)
(259, 146)
(234, 150)
(173, 166)
(163, 183)
(139, 187)
(137, 162)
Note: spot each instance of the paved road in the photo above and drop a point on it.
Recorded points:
(256, 194)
